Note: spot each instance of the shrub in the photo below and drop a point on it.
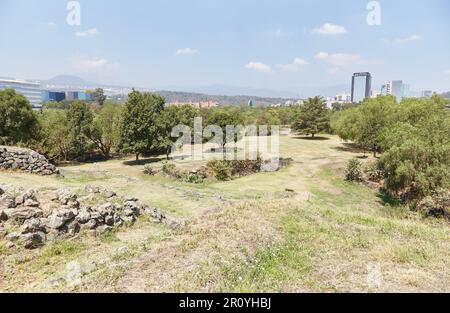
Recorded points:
(438, 204)
(193, 178)
(245, 167)
(354, 170)
(149, 170)
(374, 172)
(171, 170)
(221, 170)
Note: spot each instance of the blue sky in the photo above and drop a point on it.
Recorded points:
(279, 44)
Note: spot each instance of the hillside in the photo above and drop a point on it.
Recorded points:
(303, 229)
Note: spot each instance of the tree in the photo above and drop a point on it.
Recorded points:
(105, 130)
(313, 117)
(171, 117)
(18, 121)
(79, 121)
(416, 158)
(53, 138)
(224, 117)
(374, 116)
(140, 132)
(98, 96)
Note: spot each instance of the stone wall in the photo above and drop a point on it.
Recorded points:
(26, 161)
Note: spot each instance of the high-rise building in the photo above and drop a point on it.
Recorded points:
(397, 89)
(30, 90)
(361, 86)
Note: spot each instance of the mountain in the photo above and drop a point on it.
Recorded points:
(292, 92)
(68, 80)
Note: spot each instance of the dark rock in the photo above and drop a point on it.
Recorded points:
(32, 225)
(33, 240)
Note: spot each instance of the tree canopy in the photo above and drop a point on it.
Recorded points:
(312, 118)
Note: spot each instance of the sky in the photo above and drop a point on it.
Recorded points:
(277, 44)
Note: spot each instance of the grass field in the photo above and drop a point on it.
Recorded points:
(249, 234)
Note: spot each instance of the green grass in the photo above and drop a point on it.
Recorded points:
(258, 238)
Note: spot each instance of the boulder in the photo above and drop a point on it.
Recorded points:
(32, 225)
(24, 213)
(7, 201)
(83, 216)
(32, 240)
(91, 224)
(58, 220)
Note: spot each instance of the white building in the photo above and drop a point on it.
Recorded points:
(30, 90)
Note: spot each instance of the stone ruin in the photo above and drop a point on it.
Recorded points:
(26, 161)
(28, 222)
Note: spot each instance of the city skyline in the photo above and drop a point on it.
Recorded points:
(162, 44)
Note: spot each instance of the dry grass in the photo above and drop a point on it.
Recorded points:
(329, 235)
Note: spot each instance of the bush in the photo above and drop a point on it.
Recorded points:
(437, 205)
(149, 170)
(245, 167)
(354, 170)
(221, 170)
(171, 170)
(193, 178)
(374, 172)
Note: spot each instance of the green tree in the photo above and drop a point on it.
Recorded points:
(312, 118)
(224, 117)
(105, 130)
(18, 121)
(54, 135)
(171, 117)
(416, 156)
(140, 132)
(79, 120)
(374, 116)
(99, 96)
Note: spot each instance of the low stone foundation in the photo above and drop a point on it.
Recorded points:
(26, 161)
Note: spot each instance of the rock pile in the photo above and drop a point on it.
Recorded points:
(24, 221)
(27, 161)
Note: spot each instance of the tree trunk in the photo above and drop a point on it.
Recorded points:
(137, 156)
(312, 135)
(167, 153)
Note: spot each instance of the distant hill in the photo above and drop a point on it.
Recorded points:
(68, 80)
(446, 95)
(178, 96)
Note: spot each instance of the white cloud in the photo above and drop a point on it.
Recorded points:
(447, 72)
(295, 66)
(89, 32)
(400, 41)
(407, 39)
(330, 29)
(258, 66)
(278, 33)
(337, 61)
(51, 24)
(321, 56)
(186, 51)
(84, 63)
